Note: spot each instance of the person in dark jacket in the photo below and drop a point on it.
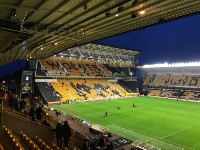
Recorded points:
(39, 113)
(32, 114)
(59, 134)
(66, 133)
(22, 104)
(85, 145)
(15, 104)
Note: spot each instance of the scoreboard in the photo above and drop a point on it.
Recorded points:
(27, 81)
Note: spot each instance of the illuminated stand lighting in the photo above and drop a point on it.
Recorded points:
(142, 12)
(189, 64)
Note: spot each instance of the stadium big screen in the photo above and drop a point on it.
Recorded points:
(27, 81)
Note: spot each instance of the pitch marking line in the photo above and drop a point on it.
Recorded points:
(197, 124)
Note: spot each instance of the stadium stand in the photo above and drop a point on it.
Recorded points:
(177, 82)
(39, 70)
(47, 91)
(82, 80)
(66, 90)
(13, 139)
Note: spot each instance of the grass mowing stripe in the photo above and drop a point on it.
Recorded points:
(152, 118)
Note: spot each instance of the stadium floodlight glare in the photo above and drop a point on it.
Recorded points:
(91, 57)
(142, 12)
(73, 55)
(173, 65)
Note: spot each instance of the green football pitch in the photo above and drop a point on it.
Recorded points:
(168, 124)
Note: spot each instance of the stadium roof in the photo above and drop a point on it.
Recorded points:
(190, 67)
(100, 52)
(39, 29)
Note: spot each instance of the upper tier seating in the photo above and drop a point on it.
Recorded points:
(172, 80)
(72, 68)
(76, 68)
(174, 85)
(51, 65)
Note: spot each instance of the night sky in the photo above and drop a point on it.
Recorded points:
(175, 41)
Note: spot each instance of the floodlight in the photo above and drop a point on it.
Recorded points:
(142, 12)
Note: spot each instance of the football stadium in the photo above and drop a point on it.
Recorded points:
(77, 94)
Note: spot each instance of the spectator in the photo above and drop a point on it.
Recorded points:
(66, 133)
(1, 96)
(59, 134)
(57, 113)
(32, 114)
(102, 141)
(110, 146)
(15, 103)
(5, 96)
(22, 104)
(11, 101)
(85, 145)
(39, 112)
